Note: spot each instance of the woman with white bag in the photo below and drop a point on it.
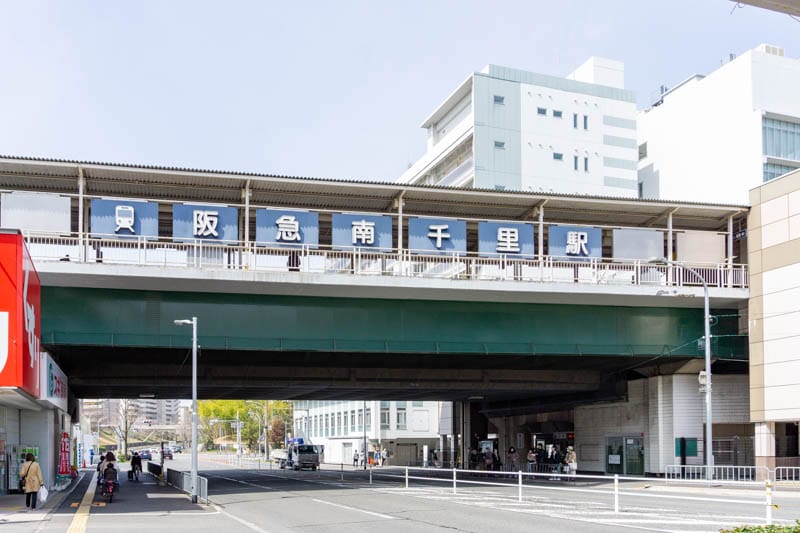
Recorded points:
(30, 475)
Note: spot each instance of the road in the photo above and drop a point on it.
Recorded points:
(250, 500)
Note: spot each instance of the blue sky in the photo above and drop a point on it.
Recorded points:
(329, 89)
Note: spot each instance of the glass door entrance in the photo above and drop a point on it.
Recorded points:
(625, 455)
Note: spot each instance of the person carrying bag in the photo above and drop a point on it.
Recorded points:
(30, 479)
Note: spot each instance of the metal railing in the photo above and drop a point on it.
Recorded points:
(778, 475)
(517, 480)
(273, 257)
(787, 474)
(154, 468)
(183, 481)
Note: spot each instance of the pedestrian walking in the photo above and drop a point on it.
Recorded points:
(136, 465)
(513, 458)
(30, 480)
(531, 457)
(384, 457)
(571, 458)
(355, 458)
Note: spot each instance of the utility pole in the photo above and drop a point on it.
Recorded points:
(238, 435)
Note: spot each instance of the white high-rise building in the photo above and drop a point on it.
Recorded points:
(504, 128)
(713, 138)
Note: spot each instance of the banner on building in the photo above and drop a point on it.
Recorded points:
(20, 294)
(642, 244)
(205, 222)
(36, 211)
(123, 218)
(291, 228)
(437, 235)
(505, 238)
(574, 242)
(63, 455)
(362, 231)
(54, 383)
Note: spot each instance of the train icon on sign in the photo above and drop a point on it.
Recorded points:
(123, 215)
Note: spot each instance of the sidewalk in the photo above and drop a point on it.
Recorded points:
(142, 497)
(12, 506)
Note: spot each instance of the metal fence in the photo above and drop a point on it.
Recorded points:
(183, 481)
(523, 481)
(732, 473)
(269, 257)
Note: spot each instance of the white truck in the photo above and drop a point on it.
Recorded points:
(301, 456)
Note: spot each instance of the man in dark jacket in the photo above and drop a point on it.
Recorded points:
(136, 465)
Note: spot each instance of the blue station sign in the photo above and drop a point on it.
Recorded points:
(576, 242)
(437, 235)
(505, 238)
(287, 227)
(123, 218)
(205, 222)
(362, 231)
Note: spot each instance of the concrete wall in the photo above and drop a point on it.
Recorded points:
(659, 409)
(39, 428)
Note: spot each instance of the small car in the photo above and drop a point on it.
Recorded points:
(146, 455)
(167, 453)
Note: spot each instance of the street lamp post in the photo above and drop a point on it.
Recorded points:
(193, 322)
(707, 343)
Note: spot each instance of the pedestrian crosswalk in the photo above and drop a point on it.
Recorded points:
(648, 518)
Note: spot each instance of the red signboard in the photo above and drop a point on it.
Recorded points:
(20, 292)
(63, 456)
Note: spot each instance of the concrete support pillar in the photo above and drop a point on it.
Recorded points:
(466, 433)
(765, 444)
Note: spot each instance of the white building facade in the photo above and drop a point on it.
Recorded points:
(715, 137)
(509, 129)
(405, 429)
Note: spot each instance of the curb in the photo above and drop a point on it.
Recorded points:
(55, 501)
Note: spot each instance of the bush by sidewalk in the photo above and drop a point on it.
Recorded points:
(764, 529)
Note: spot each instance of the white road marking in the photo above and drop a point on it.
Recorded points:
(240, 520)
(379, 515)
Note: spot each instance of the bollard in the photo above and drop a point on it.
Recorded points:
(370, 477)
(342, 471)
(768, 486)
(406, 476)
(519, 486)
(454, 480)
(616, 493)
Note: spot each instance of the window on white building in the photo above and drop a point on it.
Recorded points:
(385, 418)
(586, 164)
(575, 120)
(541, 111)
(575, 162)
(499, 100)
(360, 420)
(400, 417)
(500, 145)
(586, 122)
(556, 113)
(368, 419)
(558, 156)
(352, 421)
(416, 403)
(642, 151)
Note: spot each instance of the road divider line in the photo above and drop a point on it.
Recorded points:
(240, 520)
(379, 515)
(81, 518)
